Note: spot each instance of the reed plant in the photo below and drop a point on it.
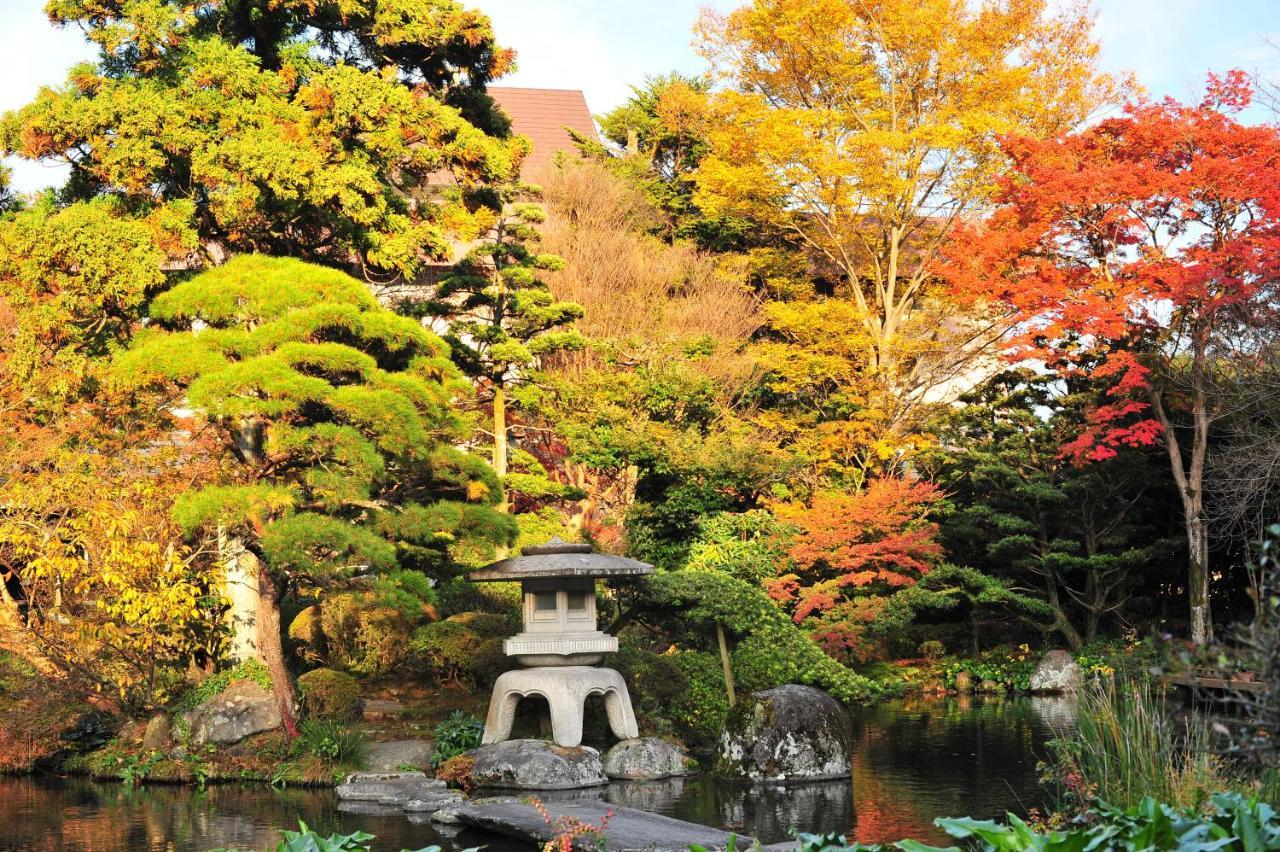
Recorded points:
(1128, 744)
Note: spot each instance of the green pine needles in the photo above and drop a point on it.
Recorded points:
(339, 421)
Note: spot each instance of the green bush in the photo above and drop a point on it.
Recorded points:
(700, 710)
(364, 635)
(333, 741)
(783, 653)
(211, 686)
(458, 595)
(464, 648)
(329, 694)
(750, 546)
(457, 733)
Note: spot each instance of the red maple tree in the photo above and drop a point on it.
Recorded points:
(876, 540)
(1151, 240)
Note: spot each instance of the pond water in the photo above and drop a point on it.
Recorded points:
(914, 761)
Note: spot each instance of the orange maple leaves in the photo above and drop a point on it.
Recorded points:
(876, 539)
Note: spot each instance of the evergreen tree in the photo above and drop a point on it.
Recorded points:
(1084, 539)
(502, 317)
(339, 420)
(292, 128)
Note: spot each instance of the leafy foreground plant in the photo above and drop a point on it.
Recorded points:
(1229, 822)
(456, 734)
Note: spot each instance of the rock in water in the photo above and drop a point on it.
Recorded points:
(242, 709)
(536, 765)
(644, 759)
(398, 754)
(1057, 674)
(790, 733)
(393, 789)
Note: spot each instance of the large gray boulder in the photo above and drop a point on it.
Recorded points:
(536, 765)
(1057, 674)
(395, 789)
(644, 759)
(242, 709)
(398, 754)
(789, 733)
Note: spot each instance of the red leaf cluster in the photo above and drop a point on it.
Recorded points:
(1144, 237)
(878, 538)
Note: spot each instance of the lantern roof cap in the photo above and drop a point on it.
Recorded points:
(559, 558)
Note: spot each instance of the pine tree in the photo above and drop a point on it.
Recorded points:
(292, 128)
(339, 422)
(502, 316)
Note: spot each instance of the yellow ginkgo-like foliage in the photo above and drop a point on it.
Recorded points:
(865, 130)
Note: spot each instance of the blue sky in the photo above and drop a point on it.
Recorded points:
(603, 46)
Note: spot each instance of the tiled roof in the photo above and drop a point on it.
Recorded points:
(542, 115)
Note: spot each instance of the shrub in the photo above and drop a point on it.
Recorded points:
(932, 649)
(456, 771)
(363, 635)
(211, 686)
(464, 647)
(700, 710)
(329, 694)
(306, 635)
(701, 598)
(332, 741)
(456, 734)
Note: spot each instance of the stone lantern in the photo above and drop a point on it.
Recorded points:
(561, 645)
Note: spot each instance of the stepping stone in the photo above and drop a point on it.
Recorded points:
(373, 709)
(389, 788)
(433, 803)
(628, 829)
(394, 756)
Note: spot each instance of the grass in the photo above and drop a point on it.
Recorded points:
(1128, 744)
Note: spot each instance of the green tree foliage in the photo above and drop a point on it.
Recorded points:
(1085, 539)
(659, 129)
(676, 450)
(286, 148)
(503, 319)
(341, 417)
(437, 44)
(76, 280)
(702, 598)
(955, 590)
(751, 546)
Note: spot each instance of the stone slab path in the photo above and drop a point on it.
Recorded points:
(628, 830)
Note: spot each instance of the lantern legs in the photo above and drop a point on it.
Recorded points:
(565, 689)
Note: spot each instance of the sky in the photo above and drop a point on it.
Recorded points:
(605, 46)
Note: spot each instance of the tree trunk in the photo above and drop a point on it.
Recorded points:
(240, 569)
(1190, 481)
(500, 437)
(729, 687)
(272, 648)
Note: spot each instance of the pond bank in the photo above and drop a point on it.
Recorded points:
(914, 760)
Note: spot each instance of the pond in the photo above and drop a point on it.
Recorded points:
(914, 761)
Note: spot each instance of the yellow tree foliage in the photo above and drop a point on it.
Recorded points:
(88, 544)
(866, 130)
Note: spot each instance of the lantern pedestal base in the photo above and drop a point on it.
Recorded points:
(566, 689)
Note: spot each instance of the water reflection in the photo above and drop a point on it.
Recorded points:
(914, 761)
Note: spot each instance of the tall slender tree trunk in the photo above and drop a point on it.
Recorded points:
(1189, 476)
(272, 647)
